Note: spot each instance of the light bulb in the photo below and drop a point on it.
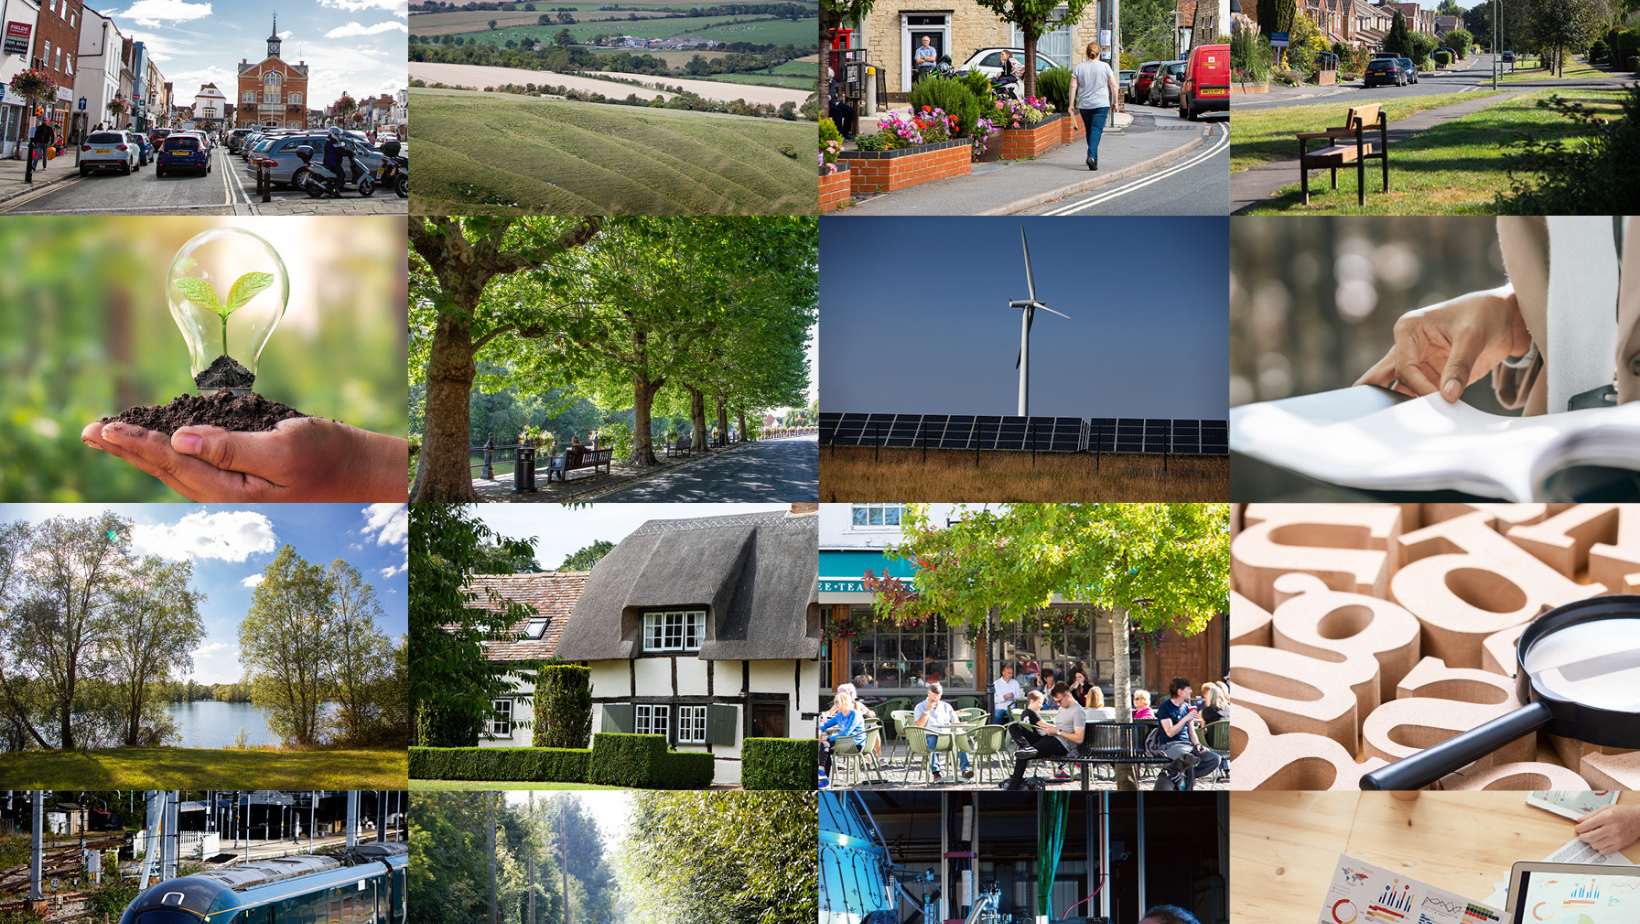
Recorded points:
(227, 289)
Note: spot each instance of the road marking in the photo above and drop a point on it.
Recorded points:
(26, 198)
(244, 192)
(1222, 144)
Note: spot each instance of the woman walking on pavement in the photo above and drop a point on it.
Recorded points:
(1092, 92)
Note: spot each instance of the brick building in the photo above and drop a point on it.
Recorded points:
(272, 92)
(56, 50)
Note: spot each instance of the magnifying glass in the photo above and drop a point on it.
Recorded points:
(1578, 671)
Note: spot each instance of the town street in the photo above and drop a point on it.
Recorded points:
(767, 471)
(229, 189)
(1198, 184)
(1477, 75)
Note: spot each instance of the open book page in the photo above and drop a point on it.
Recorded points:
(1427, 444)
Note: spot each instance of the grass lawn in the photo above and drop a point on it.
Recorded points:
(205, 768)
(485, 785)
(1455, 168)
(501, 154)
(1575, 71)
(1261, 137)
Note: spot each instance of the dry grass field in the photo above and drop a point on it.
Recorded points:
(950, 476)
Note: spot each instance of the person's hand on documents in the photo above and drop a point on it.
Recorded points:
(1611, 828)
(1446, 346)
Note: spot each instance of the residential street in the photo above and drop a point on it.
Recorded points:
(229, 189)
(1197, 184)
(1474, 73)
(766, 471)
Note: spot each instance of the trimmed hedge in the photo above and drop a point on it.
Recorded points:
(524, 765)
(438, 727)
(779, 763)
(643, 762)
(563, 706)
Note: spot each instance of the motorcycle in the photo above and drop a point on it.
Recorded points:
(318, 181)
(1003, 85)
(395, 170)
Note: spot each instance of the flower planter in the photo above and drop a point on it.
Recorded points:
(1073, 127)
(993, 148)
(872, 172)
(1236, 87)
(1326, 78)
(834, 188)
(1030, 142)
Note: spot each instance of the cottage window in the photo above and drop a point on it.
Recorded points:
(691, 724)
(652, 719)
(501, 718)
(677, 630)
(884, 515)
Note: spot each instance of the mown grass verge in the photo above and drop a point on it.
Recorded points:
(1267, 135)
(204, 768)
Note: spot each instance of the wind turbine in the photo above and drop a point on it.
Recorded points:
(1027, 314)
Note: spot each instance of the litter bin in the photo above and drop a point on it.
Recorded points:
(524, 471)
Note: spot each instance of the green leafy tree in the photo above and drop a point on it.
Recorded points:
(1034, 19)
(1460, 41)
(498, 560)
(587, 556)
(289, 644)
(365, 661)
(1477, 21)
(1163, 566)
(1399, 39)
(155, 627)
(563, 39)
(1561, 25)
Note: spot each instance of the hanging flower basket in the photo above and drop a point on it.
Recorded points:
(34, 85)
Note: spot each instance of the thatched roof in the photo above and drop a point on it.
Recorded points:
(755, 574)
(550, 595)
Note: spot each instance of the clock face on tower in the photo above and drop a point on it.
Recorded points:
(273, 48)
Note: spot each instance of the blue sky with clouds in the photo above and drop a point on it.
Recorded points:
(352, 45)
(231, 544)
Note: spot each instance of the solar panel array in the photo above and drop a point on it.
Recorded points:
(1044, 434)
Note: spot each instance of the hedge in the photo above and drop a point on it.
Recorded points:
(643, 762)
(563, 706)
(439, 727)
(524, 765)
(779, 763)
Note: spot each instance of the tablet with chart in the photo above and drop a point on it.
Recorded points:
(1559, 893)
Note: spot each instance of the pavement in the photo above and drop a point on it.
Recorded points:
(227, 190)
(765, 471)
(1149, 141)
(1249, 188)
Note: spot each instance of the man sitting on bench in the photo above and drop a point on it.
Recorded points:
(1180, 719)
(1061, 739)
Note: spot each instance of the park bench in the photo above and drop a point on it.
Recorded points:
(682, 449)
(590, 458)
(1352, 145)
(1113, 743)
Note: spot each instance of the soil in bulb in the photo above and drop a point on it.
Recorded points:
(247, 413)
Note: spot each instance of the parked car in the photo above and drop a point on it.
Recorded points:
(989, 61)
(109, 151)
(235, 137)
(1164, 87)
(281, 153)
(1139, 89)
(1206, 86)
(183, 151)
(1383, 71)
(1124, 81)
(158, 135)
(145, 152)
(1408, 68)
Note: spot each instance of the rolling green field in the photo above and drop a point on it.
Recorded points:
(196, 768)
(790, 74)
(762, 32)
(501, 154)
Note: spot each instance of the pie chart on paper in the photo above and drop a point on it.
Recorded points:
(1577, 919)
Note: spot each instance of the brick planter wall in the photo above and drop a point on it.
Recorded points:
(1326, 78)
(1236, 87)
(1073, 127)
(874, 172)
(1029, 142)
(834, 188)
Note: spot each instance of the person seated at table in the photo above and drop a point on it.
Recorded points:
(933, 712)
(847, 723)
(1004, 694)
(1061, 739)
(1141, 706)
(1168, 914)
(1097, 711)
(844, 116)
(1080, 687)
(1024, 731)
(863, 680)
(1046, 682)
(1610, 828)
(861, 708)
(1180, 720)
(1216, 702)
(1031, 672)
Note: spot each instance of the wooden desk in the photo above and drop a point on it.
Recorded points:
(1284, 846)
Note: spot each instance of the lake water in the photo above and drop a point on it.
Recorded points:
(215, 725)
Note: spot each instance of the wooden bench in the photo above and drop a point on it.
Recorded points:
(1352, 145)
(590, 458)
(682, 449)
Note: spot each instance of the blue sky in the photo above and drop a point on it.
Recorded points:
(353, 45)
(916, 316)
(561, 531)
(230, 545)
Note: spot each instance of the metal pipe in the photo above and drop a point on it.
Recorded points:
(352, 816)
(1141, 814)
(36, 857)
(1104, 855)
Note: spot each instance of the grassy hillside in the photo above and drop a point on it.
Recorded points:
(500, 154)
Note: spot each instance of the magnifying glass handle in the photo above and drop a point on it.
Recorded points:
(1432, 763)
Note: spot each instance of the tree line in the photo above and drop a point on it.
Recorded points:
(663, 316)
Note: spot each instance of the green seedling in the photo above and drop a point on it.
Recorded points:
(244, 289)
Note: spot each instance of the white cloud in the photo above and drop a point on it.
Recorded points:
(354, 28)
(399, 8)
(188, 83)
(389, 572)
(254, 580)
(390, 523)
(230, 536)
(215, 648)
(160, 12)
(355, 546)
